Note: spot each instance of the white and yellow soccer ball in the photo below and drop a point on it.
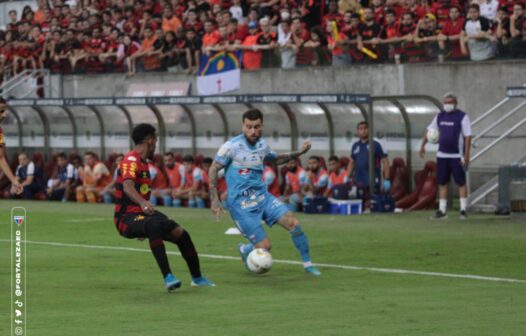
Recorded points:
(259, 261)
(432, 135)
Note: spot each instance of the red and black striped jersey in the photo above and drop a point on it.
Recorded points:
(132, 167)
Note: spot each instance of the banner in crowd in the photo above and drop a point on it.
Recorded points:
(220, 72)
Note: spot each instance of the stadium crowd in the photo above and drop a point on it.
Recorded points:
(177, 180)
(146, 35)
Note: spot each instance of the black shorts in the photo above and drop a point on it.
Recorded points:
(138, 225)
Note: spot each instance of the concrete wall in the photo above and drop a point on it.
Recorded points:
(479, 85)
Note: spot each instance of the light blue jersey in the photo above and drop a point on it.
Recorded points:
(244, 166)
(248, 199)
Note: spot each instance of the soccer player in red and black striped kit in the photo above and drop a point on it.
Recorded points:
(135, 216)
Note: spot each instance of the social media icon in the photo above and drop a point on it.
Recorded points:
(18, 313)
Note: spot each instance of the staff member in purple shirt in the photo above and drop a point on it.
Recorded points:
(454, 145)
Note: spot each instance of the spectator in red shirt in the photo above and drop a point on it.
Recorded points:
(370, 35)
(127, 49)
(449, 38)
(332, 15)
(340, 55)
(192, 22)
(170, 21)
(211, 38)
(268, 42)
(251, 52)
(300, 35)
(427, 36)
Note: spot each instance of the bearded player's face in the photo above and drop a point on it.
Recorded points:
(252, 130)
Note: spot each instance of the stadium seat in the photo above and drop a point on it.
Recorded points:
(398, 176)
(50, 168)
(424, 194)
(344, 162)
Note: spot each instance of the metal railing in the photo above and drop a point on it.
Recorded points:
(13, 83)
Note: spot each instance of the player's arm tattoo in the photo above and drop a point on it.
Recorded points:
(286, 157)
(212, 175)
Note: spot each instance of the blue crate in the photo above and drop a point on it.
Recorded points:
(345, 207)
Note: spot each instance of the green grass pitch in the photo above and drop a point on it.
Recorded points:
(75, 290)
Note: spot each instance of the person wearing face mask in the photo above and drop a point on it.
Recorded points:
(453, 154)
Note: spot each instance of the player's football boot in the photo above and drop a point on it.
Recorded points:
(463, 215)
(438, 215)
(202, 282)
(243, 255)
(312, 271)
(171, 283)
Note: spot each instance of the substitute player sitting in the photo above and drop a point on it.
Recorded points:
(135, 216)
(248, 199)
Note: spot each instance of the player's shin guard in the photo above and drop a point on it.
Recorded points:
(187, 248)
(159, 252)
(302, 244)
(199, 202)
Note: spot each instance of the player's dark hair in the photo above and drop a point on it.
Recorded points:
(62, 155)
(252, 115)
(90, 153)
(362, 123)
(188, 158)
(519, 4)
(475, 7)
(208, 160)
(169, 154)
(141, 132)
(314, 157)
(333, 158)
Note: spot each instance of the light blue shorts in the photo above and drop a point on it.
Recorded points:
(248, 213)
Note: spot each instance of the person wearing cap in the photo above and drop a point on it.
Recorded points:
(251, 50)
(427, 34)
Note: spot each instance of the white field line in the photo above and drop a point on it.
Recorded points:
(291, 262)
(84, 220)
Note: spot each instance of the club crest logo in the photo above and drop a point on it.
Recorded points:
(19, 220)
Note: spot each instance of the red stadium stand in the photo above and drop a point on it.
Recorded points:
(398, 176)
(424, 195)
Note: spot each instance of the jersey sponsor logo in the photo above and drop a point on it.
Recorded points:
(144, 189)
(357, 150)
(132, 158)
(244, 171)
(138, 218)
(447, 123)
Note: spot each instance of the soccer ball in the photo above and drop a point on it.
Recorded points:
(259, 261)
(432, 135)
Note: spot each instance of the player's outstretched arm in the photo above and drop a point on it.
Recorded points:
(217, 209)
(286, 157)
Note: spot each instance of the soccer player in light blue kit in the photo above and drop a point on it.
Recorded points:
(248, 200)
